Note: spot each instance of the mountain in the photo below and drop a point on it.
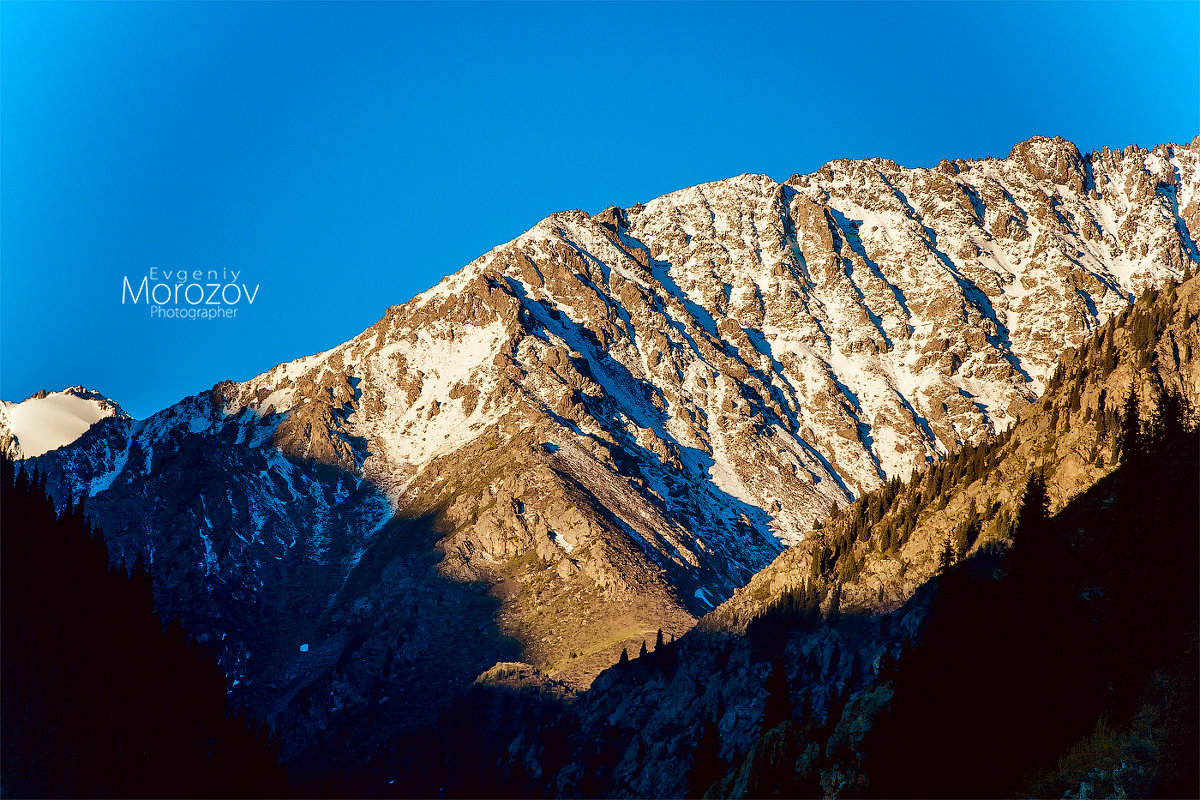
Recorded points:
(607, 425)
(1059, 660)
(1057, 648)
(50, 420)
(888, 543)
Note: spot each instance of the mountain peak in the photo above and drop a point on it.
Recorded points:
(1051, 159)
(49, 420)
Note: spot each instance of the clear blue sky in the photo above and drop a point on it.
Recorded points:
(345, 157)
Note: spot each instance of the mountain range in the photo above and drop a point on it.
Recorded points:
(609, 425)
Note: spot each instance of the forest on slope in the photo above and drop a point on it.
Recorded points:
(100, 698)
(1068, 658)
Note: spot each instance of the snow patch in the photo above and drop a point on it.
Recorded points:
(42, 424)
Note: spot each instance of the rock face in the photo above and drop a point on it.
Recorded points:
(1071, 435)
(637, 731)
(608, 424)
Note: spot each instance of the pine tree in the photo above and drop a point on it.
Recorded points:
(658, 641)
(1173, 418)
(707, 766)
(815, 568)
(1131, 425)
(1037, 556)
(1109, 361)
(964, 533)
(1101, 415)
(642, 652)
(1035, 506)
(1073, 396)
(624, 660)
(778, 705)
(835, 601)
(946, 559)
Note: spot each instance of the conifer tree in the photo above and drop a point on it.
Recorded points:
(1109, 361)
(1038, 553)
(1073, 395)
(1035, 510)
(1131, 425)
(642, 652)
(658, 641)
(624, 660)
(707, 766)
(964, 534)
(946, 559)
(778, 705)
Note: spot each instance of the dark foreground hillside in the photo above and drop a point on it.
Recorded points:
(1069, 660)
(98, 699)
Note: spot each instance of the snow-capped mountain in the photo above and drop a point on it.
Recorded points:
(606, 425)
(50, 420)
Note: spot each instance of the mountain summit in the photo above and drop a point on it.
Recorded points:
(607, 425)
(50, 420)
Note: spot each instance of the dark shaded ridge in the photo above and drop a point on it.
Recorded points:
(388, 639)
(1080, 631)
(99, 699)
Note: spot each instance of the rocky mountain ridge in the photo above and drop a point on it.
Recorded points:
(609, 424)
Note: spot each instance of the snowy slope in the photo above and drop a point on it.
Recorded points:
(50, 420)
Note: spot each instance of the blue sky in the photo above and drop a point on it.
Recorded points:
(345, 157)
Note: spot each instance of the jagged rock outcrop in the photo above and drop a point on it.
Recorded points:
(610, 423)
